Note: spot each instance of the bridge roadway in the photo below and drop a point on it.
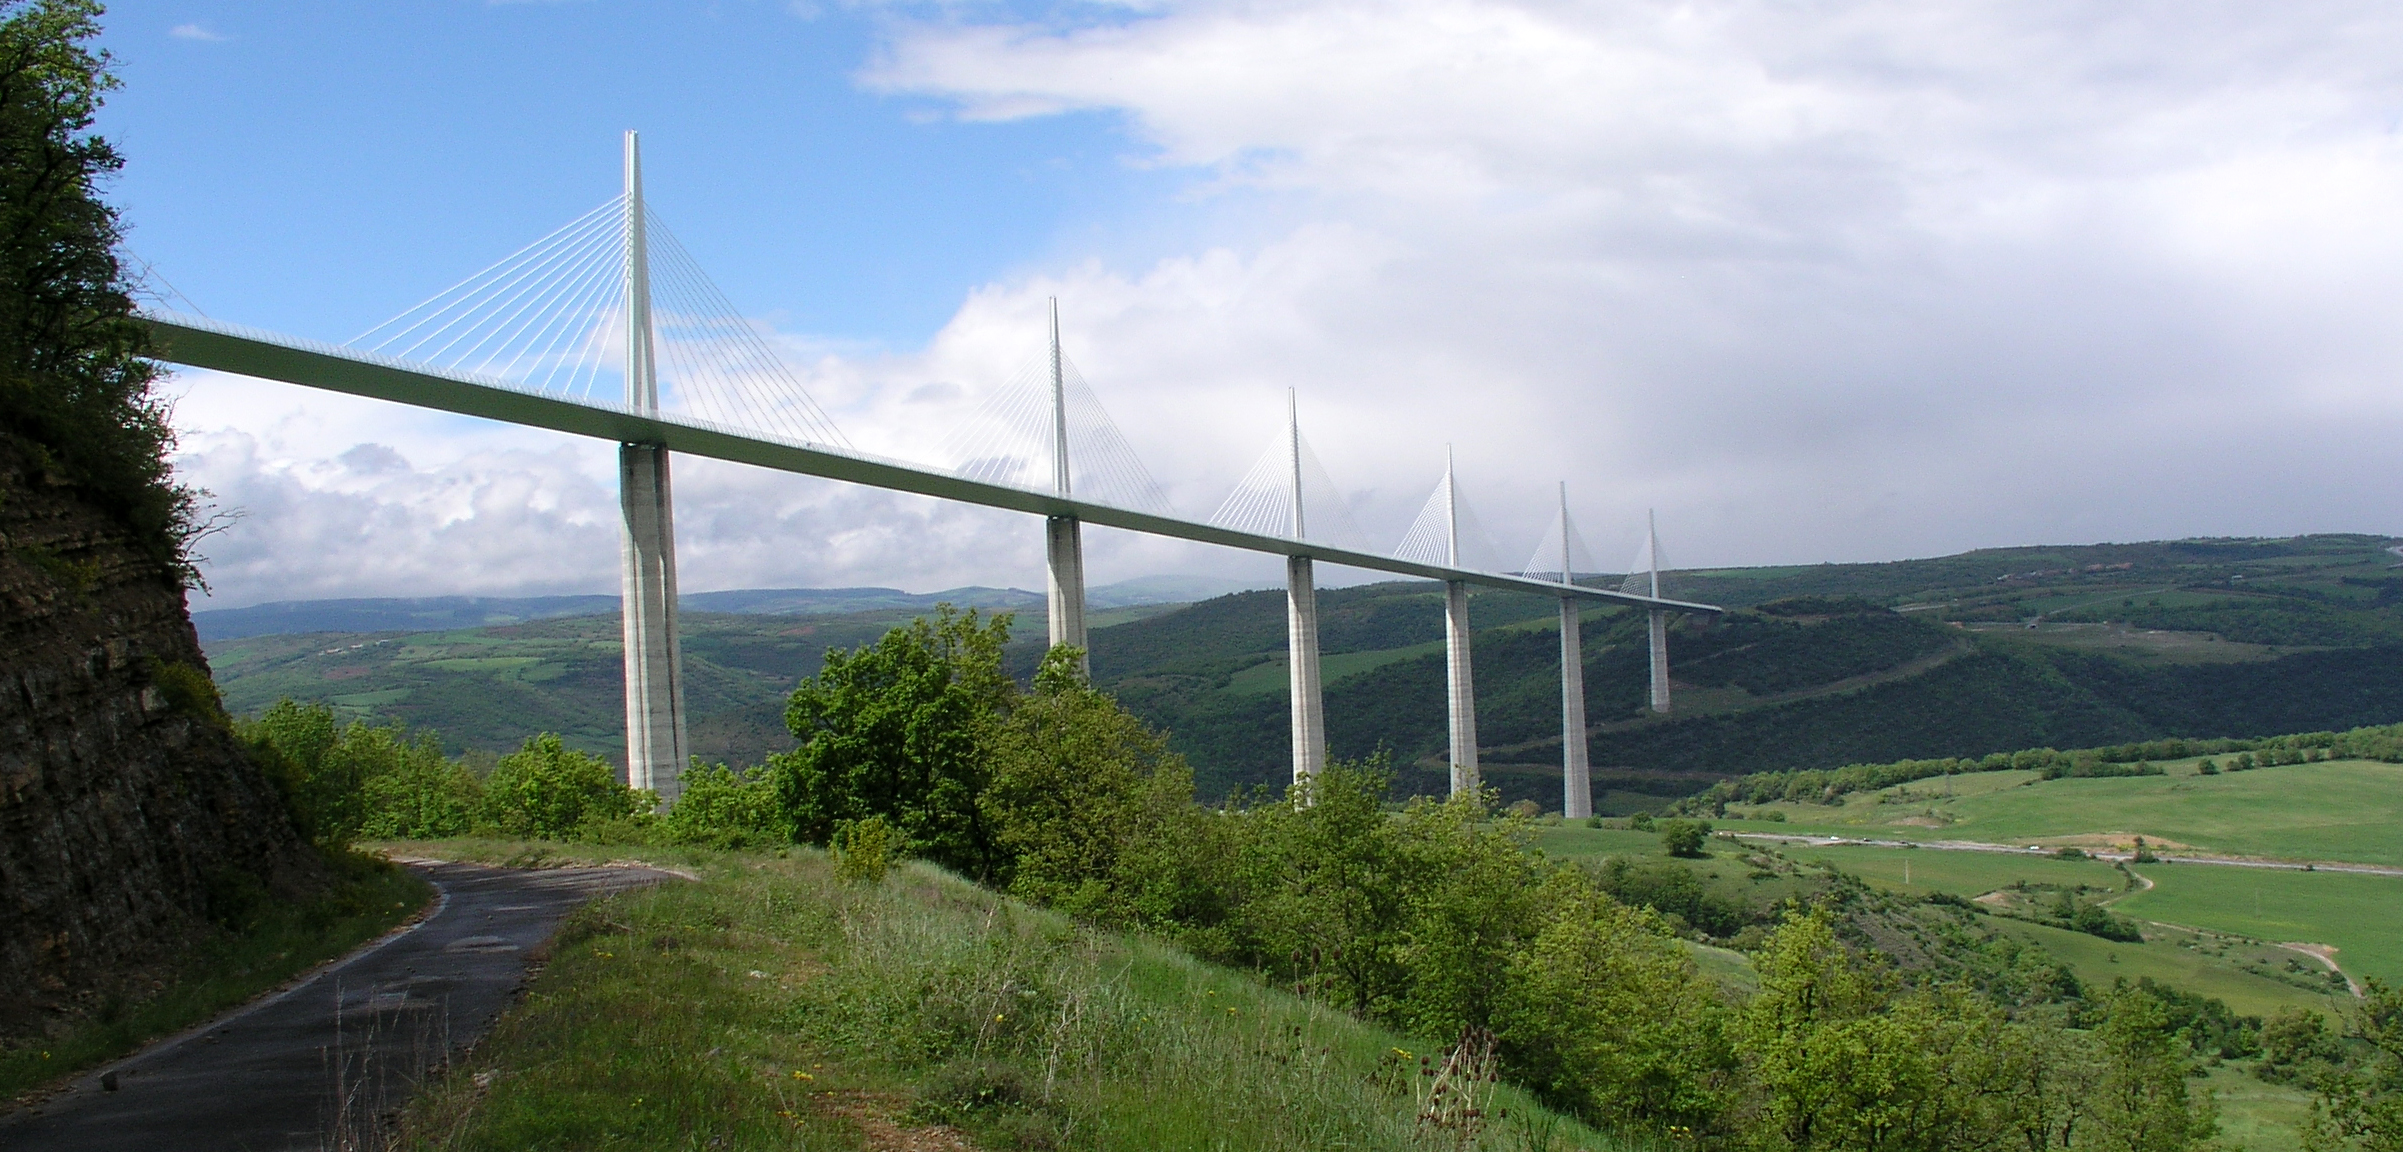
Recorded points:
(200, 343)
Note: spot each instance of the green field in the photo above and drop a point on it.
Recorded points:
(2361, 916)
(2099, 962)
(1921, 872)
(2346, 810)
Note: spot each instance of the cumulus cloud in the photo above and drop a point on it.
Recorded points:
(1851, 279)
(1833, 280)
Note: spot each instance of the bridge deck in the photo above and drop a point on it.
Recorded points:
(206, 344)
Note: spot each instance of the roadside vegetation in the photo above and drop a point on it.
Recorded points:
(1680, 993)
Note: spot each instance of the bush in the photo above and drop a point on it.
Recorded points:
(899, 729)
(548, 791)
(722, 808)
(1684, 837)
(862, 850)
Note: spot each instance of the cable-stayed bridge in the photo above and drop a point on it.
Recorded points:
(608, 328)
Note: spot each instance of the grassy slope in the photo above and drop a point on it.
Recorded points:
(770, 1006)
(370, 899)
(2346, 810)
(2357, 914)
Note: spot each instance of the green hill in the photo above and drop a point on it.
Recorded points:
(1818, 665)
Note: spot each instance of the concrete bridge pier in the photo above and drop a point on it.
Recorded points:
(1301, 670)
(1460, 688)
(656, 745)
(1659, 630)
(1576, 775)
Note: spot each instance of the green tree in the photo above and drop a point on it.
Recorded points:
(1684, 837)
(2141, 1101)
(549, 791)
(2360, 1105)
(900, 729)
(722, 808)
(74, 390)
(1602, 1013)
(1088, 803)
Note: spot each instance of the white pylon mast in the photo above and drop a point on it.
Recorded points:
(1301, 631)
(656, 740)
(1293, 444)
(1063, 536)
(1576, 774)
(1657, 622)
(1460, 688)
(1059, 408)
(1451, 512)
(642, 371)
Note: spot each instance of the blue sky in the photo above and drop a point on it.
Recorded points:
(1840, 280)
(315, 168)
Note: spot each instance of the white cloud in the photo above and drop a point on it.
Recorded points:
(1850, 279)
(197, 32)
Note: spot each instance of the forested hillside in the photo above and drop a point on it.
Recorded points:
(1816, 666)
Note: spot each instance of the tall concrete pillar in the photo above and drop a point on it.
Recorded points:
(656, 741)
(1063, 536)
(656, 746)
(1064, 555)
(1576, 776)
(1460, 687)
(1660, 660)
(1301, 669)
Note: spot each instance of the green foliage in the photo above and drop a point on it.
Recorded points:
(2141, 1099)
(548, 791)
(1088, 803)
(722, 808)
(74, 391)
(862, 850)
(2297, 1045)
(189, 691)
(898, 730)
(2359, 1106)
(1604, 1015)
(345, 782)
(1684, 837)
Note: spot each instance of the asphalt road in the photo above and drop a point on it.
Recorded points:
(316, 1065)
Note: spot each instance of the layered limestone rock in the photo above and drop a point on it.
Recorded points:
(129, 816)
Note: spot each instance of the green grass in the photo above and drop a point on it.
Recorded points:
(770, 1006)
(370, 897)
(2361, 916)
(2099, 962)
(2256, 1116)
(2344, 810)
(1920, 872)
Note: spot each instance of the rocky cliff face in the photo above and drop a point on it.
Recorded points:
(129, 815)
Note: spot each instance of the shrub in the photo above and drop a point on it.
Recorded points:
(1684, 837)
(863, 850)
(898, 729)
(723, 808)
(548, 791)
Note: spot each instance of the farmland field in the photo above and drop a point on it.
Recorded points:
(2361, 916)
(2346, 810)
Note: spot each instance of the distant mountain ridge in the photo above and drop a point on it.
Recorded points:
(443, 613)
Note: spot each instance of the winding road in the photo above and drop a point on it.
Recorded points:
(316, 1065)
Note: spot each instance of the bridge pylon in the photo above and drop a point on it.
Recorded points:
(1657, 622)
(1063, 536)
(1301, 629)
(1576, 772)
(1460, 687)
(656, 742)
